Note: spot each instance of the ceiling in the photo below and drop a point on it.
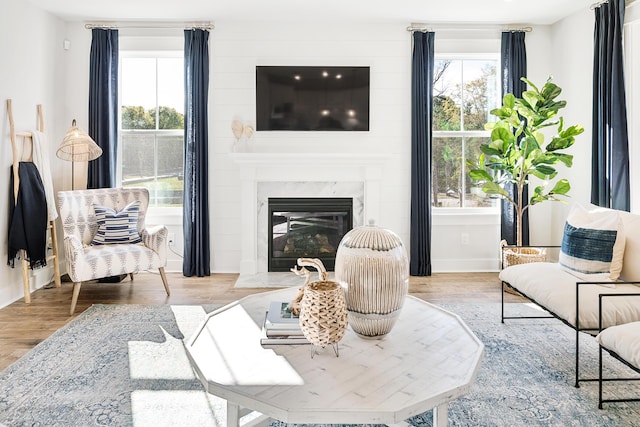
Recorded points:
(503, 12)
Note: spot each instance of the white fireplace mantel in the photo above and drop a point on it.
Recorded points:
(301, 168)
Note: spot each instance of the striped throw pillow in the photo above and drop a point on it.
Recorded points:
(593, 244)
(117, 227)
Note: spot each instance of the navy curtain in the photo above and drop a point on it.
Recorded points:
(514, 66)
(103, 106)
(421, 118)
(196, 168)
(610, 145)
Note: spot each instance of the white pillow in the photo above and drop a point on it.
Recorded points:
(593, 244)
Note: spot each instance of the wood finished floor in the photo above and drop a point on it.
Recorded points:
(23, 326)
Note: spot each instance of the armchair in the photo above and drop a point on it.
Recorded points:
(95, 247)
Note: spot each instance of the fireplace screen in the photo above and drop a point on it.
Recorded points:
(306, 228)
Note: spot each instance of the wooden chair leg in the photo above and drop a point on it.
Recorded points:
(56, 256)
(74, 298)
(25, 276)
(131, 276)
(164, 280)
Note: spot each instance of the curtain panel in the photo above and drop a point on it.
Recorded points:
(103, 106)
(196, 151)
(421, 147)
(610, 185)
(514, 67)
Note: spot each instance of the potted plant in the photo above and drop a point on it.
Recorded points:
(517, 149)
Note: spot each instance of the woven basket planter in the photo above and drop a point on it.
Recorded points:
(515, 256)
(323, 309)
(373, 264)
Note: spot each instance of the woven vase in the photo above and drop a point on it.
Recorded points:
(372, 263)
(323, 309)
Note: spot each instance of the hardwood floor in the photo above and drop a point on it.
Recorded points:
(23, 326)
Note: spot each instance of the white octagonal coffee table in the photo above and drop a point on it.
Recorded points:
(428, 359)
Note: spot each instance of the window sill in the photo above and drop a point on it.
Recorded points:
(466, 216)
(166, 216)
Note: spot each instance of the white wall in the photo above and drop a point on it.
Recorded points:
(236, 50)
(32, 73)
(572, 59)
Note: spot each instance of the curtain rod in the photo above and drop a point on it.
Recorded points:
(424, 28)
(598, 4)
(151, 25)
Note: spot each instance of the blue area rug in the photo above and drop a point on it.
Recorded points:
(125, 365)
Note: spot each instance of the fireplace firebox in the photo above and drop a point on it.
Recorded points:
(306, 228)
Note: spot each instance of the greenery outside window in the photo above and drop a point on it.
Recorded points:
(465, 90)
(152, 125)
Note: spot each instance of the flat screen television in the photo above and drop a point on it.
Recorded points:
(303, 98)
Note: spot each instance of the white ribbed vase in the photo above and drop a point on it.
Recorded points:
(373, 265)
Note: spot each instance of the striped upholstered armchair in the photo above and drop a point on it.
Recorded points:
(105, 235)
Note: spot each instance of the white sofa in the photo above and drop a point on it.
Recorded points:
(574, 300)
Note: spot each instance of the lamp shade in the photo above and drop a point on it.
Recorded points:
(78, 146)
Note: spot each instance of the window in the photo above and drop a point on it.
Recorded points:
(465, 90)
(152, 125)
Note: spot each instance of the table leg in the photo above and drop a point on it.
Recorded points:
(233, 414)
(440, 416)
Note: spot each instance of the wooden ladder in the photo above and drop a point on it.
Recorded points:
(27, 155)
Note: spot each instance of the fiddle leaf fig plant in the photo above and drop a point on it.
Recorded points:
(517, 149)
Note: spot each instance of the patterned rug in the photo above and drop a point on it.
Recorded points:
(125, 365)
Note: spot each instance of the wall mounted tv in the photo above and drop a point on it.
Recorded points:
(306, 98)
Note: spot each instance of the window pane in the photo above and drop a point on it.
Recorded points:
(479, 82)
(154, 161)
(474, 197)
(447, 96)
(152, 140)
(137, 158)
(447, 161)
(171, 93)
(170, 184)
(138, 93)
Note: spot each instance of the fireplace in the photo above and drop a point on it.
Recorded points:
(306, 228)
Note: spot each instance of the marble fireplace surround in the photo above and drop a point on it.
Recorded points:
(265, 175)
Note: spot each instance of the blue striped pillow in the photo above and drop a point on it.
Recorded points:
(592, 244)
(117, 227)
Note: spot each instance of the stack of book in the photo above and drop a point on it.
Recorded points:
(281, 326)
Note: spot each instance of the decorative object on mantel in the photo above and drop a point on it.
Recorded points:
(323, 309)
(374, 265)
(240, 131)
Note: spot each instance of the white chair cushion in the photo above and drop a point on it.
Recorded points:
(623, 340)
(112, 260)
(631, 263)
(555, 289)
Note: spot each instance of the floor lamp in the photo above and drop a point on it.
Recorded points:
(77, 146)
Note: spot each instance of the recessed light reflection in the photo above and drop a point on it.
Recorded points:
(325, 74)
(338, 76)
(297, 77)
(325, 112)
(351, 113)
